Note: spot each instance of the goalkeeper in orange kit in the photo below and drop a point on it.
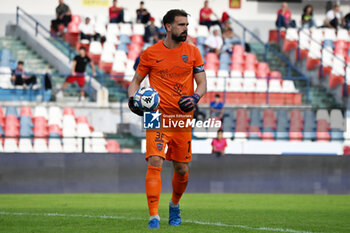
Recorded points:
(172, 65)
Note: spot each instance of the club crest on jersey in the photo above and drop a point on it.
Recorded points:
(184, 58)
(159, 146)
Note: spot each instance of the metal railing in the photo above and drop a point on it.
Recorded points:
(269, 49)
(41, 77)
(22, 15)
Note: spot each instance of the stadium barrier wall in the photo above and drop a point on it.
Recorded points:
(120, 173)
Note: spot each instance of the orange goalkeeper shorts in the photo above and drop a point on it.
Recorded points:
(179, 145)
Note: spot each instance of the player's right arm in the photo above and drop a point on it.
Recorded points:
(133, 87)
(142, 70)
(135, 84)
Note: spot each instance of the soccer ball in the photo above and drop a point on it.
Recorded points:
(147, 99)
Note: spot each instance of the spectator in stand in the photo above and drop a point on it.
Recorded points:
(346, 21)
(217, 108)
(307, 20)
(151, 33)
(284, 17)
(63, 16)
(214, 42)
(116, 14)
(219, 144)
(205, 14)
(87, 31)
(78, 71)
(333, 17)
(19, 78)
(162, 32)
(143, 16)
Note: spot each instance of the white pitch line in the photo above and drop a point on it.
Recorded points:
(218, 224)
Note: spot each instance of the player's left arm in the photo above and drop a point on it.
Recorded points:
(187, 103)
(201, 81)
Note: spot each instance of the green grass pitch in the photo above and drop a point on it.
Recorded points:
(200, 213)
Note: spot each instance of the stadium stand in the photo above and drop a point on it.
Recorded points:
(281, 124)
(43, 130)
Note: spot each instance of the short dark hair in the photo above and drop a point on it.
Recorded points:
(220, 131)
(169, 17)
(217, 96)
(20, 63)
(82, 48)
(142, 2)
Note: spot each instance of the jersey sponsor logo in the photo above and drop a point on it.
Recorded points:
(184, 58)
(159, 146)
(175, 72)
(157, 61)
(151, 120)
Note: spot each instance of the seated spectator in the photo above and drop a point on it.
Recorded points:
(230, 37)
(19, 78)
(333, 17)
(284, 17)
(217, 108)
(78, 71)
(307, 20)
(346, 21)
(162, 33)
(87, 31)
(219, 144)
(204, 16)
(63, 16)
(151, 33)
(143, 16)
(214, 42)
(116, 14)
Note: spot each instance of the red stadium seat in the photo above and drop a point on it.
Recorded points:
(335, 80)
(76, 19)
(288, 45)
(212, 58)
(137, 39)
(250, 58)
(11, 120)
(26, 111)
(82, 119)
(275, 75)
(273, 35)
(303, 54)
(113, 146)
(106, 66)
(55, 129)
(312, 63)
(68, 111)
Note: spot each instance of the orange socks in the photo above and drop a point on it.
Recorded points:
(153, 188)
(179, 186)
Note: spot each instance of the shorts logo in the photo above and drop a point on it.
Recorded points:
(159, 146)
(184, 58)
(151, 120)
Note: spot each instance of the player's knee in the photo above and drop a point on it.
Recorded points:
(181, 169)
(155, 161)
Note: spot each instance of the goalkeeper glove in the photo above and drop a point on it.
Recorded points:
(187, 103)
(133, 108)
